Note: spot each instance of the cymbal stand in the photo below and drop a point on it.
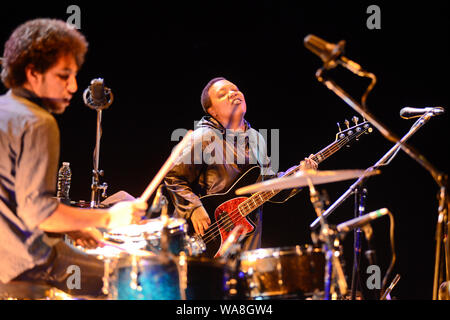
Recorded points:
(360, 197)
(334, 281)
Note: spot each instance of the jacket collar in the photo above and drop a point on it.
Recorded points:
(211, 122)
(29, 95)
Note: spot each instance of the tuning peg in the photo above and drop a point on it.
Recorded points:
(340, 134)
(355, 120)
(347, 123)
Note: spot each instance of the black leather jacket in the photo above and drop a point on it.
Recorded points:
(206, 166)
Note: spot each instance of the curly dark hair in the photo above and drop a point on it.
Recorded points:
(39, 42)
(205, 99)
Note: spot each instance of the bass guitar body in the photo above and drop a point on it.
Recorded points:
(227, 211)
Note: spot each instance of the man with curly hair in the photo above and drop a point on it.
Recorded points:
(39, 67)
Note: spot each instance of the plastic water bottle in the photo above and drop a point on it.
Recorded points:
(64, 177)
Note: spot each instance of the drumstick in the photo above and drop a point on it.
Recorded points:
(114, 245)
(166, 167)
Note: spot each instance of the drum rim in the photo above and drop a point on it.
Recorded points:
(125, 260)
(280, 251)
(175, 224)
(212, 261)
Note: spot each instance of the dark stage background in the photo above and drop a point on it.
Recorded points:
(157, 58)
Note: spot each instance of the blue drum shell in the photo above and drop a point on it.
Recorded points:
(156, 278)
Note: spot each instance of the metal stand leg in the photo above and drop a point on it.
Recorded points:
(360, 197)
(441, 263)
(335, 282)
(328, 272)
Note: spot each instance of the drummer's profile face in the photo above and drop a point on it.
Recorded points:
(55, 86)
(227, 101)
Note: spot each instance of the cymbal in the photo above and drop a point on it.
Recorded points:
(301, 178)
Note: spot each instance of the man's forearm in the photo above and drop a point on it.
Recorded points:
(66, 218)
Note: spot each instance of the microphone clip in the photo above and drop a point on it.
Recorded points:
(97, 96)
(410, 113)
(159, 204)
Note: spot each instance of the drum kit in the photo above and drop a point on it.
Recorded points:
(155, 259)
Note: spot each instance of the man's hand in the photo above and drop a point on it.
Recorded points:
(89, 238)
(308, 163)
(125, 213)
(200, 220)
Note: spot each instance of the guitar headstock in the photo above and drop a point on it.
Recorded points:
(353, 132)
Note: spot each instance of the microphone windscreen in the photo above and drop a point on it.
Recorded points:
(325, 50)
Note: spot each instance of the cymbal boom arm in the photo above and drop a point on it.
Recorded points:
(383, 161)
(438, 176)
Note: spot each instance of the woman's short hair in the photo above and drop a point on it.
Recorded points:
(205, 98)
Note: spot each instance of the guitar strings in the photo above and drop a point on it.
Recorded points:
(235, 216)
(214, 229)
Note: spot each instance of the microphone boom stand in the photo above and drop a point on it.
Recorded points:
(440, 178)
(381, 162)
(98, 98)
(96, 173)
(360, 196)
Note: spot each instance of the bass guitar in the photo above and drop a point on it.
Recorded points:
(228, 211)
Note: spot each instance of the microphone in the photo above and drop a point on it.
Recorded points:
(361, 221)
(97, 96)
(157, 203)
(331, 54)
(409, 113)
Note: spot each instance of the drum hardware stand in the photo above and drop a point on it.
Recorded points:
(370, 253)
(158, 205)
(360, 197)
(99, 98)
(442, 254)
(360, 201)
(334, 273)
(385, 160)
(230, 253)
(331, 58)
(391, 286)
(165, 230)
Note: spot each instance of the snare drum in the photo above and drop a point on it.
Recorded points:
(290, 272)
(150, 231)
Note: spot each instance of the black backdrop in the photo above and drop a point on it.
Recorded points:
(157, 58)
